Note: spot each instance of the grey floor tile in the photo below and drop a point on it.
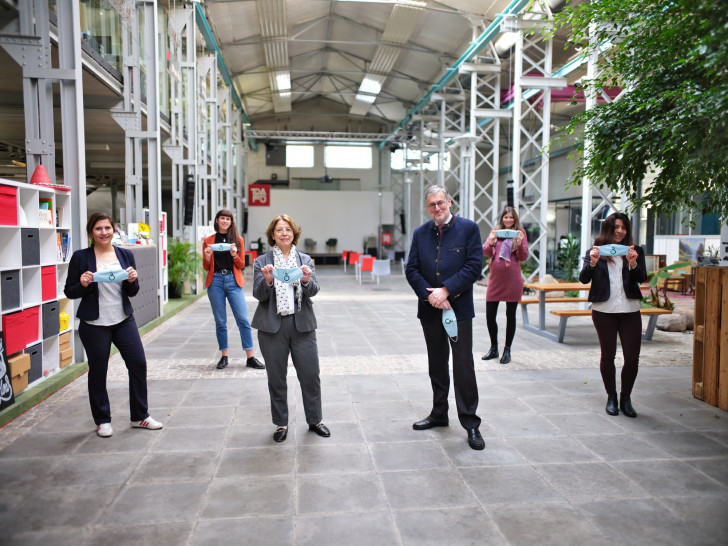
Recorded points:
(255, 415)
(254, 496)
(513, 425)
(587, 422)
(394, 430)
(159, 534)
(523, 389)
(59, 507)
(124, 440)
(590, 481)
(495, 405)
(188, 438)
(640, 521)
(509, 485)
(256, 461)
(333, 458)
(335, 395)
(195, 399)
(545, 524)
(669, 478)
(687, 444)
(621, 447)
(20, 474)
(426, 489)
(365, 529)
(714, 419)
(342, 432)
(716, 468)
(165, 399)
(156, 503)
(254, 435)
(552, 449)
(648, 421)
(271, 531)
(558, 403)
(456, 526)
(111, 469)
(660, 401)
(46, 444)
(705, 515)
(387, 409)
(200, 417)
(184, 466)
(331, 413)
(408, 456)
(376, 394)
(57, 537)
(497, 452)
(339, 493)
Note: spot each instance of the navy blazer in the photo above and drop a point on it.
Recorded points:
(599, 277)
(85, 260)
(266, 317)
(455, 263)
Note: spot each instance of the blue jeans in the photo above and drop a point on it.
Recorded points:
(221, 287)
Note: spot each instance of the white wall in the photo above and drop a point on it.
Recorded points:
(348, 216)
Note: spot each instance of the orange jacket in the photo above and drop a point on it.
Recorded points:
(238, 261)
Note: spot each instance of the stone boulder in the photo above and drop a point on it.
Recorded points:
(688, 311)
(550, 279)
(672, 323)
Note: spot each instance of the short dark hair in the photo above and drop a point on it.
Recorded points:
(272, 226)
(95, 218)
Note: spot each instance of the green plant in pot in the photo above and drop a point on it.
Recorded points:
(183, 263)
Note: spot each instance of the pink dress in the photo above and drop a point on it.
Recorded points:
(505, 282)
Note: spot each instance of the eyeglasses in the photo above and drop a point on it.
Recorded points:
(283, 230)
(439, 204)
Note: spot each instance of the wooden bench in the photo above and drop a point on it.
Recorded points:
(564, 315)
(527, 301)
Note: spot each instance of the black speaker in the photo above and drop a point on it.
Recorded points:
(509, 193)
(245, 221)
(402, 221)
(189, 198)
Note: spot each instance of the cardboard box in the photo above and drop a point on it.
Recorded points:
(62, 346)
(64, 338)
(20, 383)
(66, 356)
(18, 363)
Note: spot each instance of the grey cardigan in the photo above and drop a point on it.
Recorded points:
(266, 317)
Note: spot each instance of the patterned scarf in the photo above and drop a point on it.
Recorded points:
(505, 251)
(279, 262)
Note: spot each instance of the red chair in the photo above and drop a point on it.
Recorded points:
(345, 258)
(354, 258)
(367, 264)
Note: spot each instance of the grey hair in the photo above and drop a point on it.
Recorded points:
(432, 190)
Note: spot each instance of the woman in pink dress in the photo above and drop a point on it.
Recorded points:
(505, 282)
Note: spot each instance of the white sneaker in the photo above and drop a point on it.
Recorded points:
(104, 430)
(149, 423)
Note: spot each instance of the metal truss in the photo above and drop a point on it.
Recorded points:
(533, 81)
(318, 136)
(207, 140)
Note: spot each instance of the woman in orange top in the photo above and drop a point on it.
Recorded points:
(225, 280)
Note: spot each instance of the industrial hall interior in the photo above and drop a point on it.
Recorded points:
(138, 137)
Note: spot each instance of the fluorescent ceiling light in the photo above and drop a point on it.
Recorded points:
(414, 3)
(369, 85)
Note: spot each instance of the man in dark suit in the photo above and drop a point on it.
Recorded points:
(445, 260)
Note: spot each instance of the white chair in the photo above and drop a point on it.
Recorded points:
(379, 268)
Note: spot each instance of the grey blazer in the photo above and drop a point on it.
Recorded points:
(266, 317)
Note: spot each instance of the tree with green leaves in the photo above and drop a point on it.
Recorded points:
(670, 57)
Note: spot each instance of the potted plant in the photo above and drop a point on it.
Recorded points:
(183, 263)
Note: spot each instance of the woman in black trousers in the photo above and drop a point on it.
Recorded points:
(105, 277)
(615, 295)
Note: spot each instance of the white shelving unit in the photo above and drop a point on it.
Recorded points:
(29, 263)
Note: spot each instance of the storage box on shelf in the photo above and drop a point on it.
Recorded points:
(35, 247)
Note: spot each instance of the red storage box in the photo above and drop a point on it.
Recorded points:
(21, 329)
(8, 206)
(48, 282)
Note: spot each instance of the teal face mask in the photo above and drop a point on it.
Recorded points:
(288, 275)
(613, 250)
(506, 233)
(450, 322)
(111, 276)
(220, 247)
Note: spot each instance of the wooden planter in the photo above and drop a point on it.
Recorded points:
(710, 344)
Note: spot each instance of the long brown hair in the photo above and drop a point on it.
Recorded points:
(93, 220)
(232, 232)
(516, 221)
(607, 234)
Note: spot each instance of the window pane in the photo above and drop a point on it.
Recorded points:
(348, 157)
(430, 160)
(299, 156)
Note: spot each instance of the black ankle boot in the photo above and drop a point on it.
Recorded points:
(625, 404)
(222, 363)
(506, 355)
(493, 353)
(612, 408)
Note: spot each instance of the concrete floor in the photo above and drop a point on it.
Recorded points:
(556, 468)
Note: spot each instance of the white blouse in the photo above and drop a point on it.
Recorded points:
(618, 301)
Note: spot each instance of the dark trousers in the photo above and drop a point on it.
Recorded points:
(304, 354)
(629, 328)
(491, 310)
(97, 341)
(463, 371)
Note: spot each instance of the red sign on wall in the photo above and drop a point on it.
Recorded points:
(259, 195)
(386, 238)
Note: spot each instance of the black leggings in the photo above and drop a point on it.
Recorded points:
(491, 310)
(629, 328)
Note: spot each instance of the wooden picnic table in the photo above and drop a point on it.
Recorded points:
(542, 288)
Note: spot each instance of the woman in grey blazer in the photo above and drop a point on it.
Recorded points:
(284, 283)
